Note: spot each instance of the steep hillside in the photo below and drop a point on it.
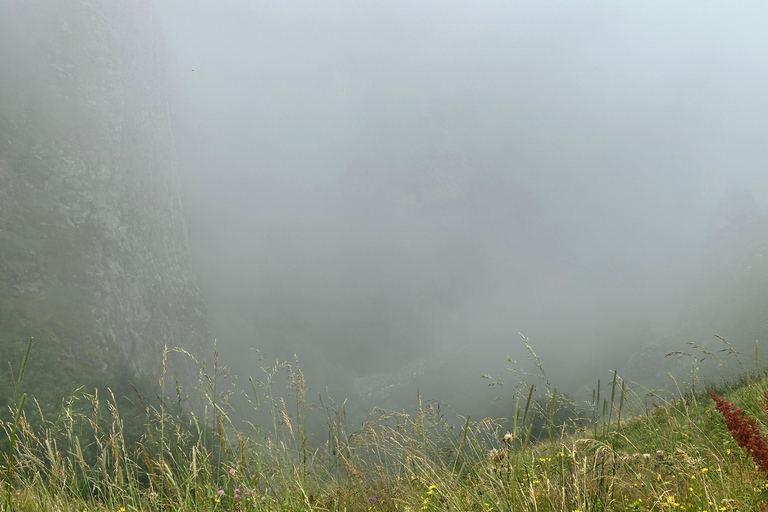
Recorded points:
(728, 298)
(94, 256)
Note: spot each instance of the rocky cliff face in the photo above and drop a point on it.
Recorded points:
(94, 255)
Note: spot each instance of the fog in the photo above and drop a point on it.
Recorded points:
(392, 191)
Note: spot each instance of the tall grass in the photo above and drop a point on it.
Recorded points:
(677, 456)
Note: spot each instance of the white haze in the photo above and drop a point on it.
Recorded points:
(377, 185)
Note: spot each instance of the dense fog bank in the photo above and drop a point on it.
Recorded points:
(393, 191)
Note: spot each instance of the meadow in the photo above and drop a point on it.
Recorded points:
(626, 449)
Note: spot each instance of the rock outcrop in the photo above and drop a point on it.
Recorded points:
(94, 258)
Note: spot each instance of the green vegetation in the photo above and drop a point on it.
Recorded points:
(676, 455)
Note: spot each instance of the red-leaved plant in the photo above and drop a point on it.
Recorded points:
(744, 429)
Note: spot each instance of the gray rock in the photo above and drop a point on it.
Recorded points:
(92, 218)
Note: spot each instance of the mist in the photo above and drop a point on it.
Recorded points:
(392, 191)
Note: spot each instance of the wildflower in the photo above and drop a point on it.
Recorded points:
(232, 472)
(220, 492)
(659, 454)
(647, 456)
(496, 455)
(508, 437)
(744, 430)
(372, 499)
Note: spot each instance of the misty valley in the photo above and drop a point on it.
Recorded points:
(383, 256)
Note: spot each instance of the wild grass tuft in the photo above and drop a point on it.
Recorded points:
(632, 451)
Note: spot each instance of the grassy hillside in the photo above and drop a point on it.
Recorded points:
(624, 451)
